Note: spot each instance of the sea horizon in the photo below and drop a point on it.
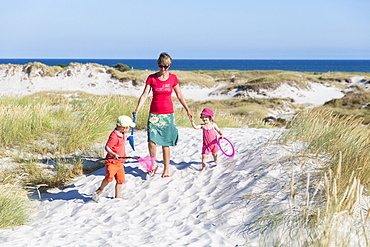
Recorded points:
(302, 65)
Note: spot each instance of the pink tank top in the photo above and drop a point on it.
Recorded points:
(209, 141)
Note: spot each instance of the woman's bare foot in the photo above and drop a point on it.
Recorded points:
(154, 169)
(121, 198)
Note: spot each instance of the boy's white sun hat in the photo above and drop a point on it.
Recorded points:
(125, 121)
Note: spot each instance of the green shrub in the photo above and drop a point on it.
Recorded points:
(121, 67)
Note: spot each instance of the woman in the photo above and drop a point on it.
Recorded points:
(161, 122)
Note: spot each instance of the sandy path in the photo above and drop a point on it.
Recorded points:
(188, 209)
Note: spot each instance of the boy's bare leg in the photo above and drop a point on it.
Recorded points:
(118, 191)
(104, 183)
(204, 162)
(166, 159)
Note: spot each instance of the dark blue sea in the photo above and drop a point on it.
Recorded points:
(208, 64)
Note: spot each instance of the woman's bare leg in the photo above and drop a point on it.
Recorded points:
(152, 148)
(153, 152)
(166, 159)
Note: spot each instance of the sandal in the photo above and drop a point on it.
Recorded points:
(152, 172)
(165, 176)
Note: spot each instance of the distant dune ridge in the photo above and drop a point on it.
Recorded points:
(95, 79)
(29, 79)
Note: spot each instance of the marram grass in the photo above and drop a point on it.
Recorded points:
(14, 206)
(339, 138)
(329, 213)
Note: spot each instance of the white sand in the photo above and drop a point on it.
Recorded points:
(214, 208)
(188, 209)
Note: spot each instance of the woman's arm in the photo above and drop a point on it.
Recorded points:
(142, 98)
(182, 100)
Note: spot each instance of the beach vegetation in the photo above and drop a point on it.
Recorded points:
(51, 173)
(40, 69)
(353, 104)
(345, 140)
(329, 212)
(15, 207)
(242, 112)
(121, 67)
(194, 78)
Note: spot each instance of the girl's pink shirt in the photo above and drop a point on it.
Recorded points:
(209, 140)
(162, 91)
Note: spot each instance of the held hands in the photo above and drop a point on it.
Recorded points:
(191, 117)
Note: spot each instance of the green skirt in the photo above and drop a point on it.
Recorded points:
(162, 129)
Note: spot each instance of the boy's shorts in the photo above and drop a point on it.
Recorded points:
(114, 170)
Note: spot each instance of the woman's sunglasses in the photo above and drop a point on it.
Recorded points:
(163, 66)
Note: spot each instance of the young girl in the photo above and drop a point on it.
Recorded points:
(209, 136)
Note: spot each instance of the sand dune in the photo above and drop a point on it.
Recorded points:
(216, 208)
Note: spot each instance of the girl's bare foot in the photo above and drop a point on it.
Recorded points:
(203, 169)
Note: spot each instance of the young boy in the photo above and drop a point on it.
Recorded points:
(115, 148)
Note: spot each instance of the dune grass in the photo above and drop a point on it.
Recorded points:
(42, 69)
(22, 120)
(329, 214)
(14, 206)
(321, 216)
(353, 104)
(340, 138)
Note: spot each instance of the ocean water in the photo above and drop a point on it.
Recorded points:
(211, 64)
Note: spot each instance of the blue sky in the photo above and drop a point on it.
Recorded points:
(188, 29)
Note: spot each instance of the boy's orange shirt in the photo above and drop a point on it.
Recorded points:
(116, 142)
